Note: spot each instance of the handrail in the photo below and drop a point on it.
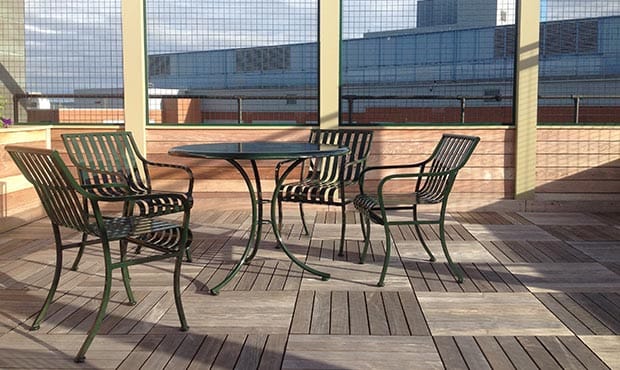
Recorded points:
(349, 98)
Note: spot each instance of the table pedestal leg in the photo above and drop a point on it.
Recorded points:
(255, 228)
(276, 230)
(256, 197)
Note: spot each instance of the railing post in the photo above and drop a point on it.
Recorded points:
(15, 108)
(577, 100)
(350, 104)
(462, 98)
(239, 110)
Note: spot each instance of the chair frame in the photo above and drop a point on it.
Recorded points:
(69, 205)
(329, 173)
(433, 182)
(110, 164)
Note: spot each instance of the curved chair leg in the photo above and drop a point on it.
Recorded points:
(177, 293)
(125, 273)
(101, 313)
(50, 295)
(365, 223)
(342, 229)
(76, 262)
(303, 218)
(453, 267)
(280, 216)
(386, 261)
(420, 235)
(188, 255)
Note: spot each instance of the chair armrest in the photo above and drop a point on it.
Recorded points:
(281, 163)
(388, 167)
(155, 199)
(188, 171)
(356, 162)
(417, 175)
(394, 167)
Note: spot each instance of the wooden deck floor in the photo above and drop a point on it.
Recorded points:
(541, 291)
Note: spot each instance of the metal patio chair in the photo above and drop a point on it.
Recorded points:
(324, 180)
(65, 201)
(101, 156)
(433, 177)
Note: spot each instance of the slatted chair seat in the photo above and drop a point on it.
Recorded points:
(109, 164)
(433, 178)
(152, 233)
(324, 180)
(312, 191)
(69, 205)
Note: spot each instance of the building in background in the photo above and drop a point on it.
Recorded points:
(434, 66)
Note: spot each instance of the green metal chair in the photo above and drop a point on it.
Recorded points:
(433, 182)
(110, 164)
(65, 203)
(324, 180)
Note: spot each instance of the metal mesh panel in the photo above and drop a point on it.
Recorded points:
(62, 60)
(579, 79)
(430, 61)
(233, 61)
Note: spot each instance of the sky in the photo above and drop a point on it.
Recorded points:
(78, 40)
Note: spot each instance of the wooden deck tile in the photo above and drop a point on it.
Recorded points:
(488, 314)
(360, 352)
(566, 277)
(233, 312)
(508, 232)
(462, 251)
(355, 276)
(600, 251)
(607, 347)
(564, 218)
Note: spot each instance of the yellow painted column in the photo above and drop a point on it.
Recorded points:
(134, 70)
(329, 63)
(526, 97)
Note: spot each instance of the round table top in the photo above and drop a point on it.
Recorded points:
(258, 150)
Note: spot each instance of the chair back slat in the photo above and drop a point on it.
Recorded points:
(54, 184)
(358, 142)
(450, 155)
(107, 151)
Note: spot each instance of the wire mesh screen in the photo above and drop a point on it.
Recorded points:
(579, 62)
(233, 61)
(12, 58)
(439, 61)
(62, 60)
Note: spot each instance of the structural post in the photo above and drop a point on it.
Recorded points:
(526, 97)
(134, 70)
(329, 63)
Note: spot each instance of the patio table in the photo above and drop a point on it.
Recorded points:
(291, 154)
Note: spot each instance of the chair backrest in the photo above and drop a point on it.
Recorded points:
(449, 156)
(333, 168)
(60, 194)
(115, 152)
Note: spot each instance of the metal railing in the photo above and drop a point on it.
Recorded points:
(353, 102)
(460, 99)
(577, 101)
